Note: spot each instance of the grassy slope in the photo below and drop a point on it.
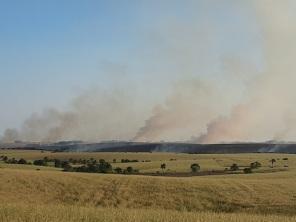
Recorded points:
(274, 192)
(31, 195)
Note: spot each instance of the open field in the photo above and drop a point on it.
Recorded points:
(150, 162)
(53, 195)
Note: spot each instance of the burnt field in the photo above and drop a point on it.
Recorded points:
(73, 146)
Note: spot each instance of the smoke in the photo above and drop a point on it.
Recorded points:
(237, 104)
(95, 115)
(187, 110)
(270, 111)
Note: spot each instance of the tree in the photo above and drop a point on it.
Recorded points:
(11, 161)
(163, 166)
(118, 170)
(64, 164)
(104, 167)
(255, 165)
(40, 163)
(272, 162)
(195, 167)
(57, 163)
(22, 161)
(234, 167)
(129, 169)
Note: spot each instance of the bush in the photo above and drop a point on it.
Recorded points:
(91, 167)
(40, 163)
(248, 170)
(64, 164)
(128, 161)
(255, 165)
(118, 170)
(22, 161)
(129, 169)
(57, 163)
(234, 167)
(11, 161)
(195, 167)
(163, 166)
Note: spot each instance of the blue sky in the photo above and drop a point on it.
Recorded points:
(51, 51)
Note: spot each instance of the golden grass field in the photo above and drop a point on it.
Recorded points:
(52, 195)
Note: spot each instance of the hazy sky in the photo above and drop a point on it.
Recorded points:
(53, 51)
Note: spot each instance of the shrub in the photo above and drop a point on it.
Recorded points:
(163, 166)
(234, 167)
(129, 169)
(255, 165)
(65, 164)
(40, 163)
(272, 162)
(91, 167)
(68, 168)
(248, 170)
(118, 170)
(12, 161)
(195, 167)
(57, 163)
(22, 161)
(128, 161)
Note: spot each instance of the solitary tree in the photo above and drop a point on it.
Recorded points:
(255, 165)
(163, 166)
(129, 169)
(195, 167)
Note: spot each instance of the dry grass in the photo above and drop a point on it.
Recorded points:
(260, 193)
(182, 163)
(50, 213)
(31, 195)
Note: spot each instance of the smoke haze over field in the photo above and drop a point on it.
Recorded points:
(270, 111)
(202, 80)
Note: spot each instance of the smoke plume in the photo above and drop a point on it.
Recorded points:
(220, 108)
(94, 116)
(270, 111)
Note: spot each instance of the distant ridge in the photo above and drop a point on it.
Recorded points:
(122, 146)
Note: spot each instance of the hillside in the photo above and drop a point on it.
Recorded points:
(268, 193)
(49, 194)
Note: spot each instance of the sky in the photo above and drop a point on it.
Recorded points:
(60, 54)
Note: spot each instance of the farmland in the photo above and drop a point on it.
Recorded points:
(267, 194)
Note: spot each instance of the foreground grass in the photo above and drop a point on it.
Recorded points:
(50, 213)
(51, 195)
(256, 193)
